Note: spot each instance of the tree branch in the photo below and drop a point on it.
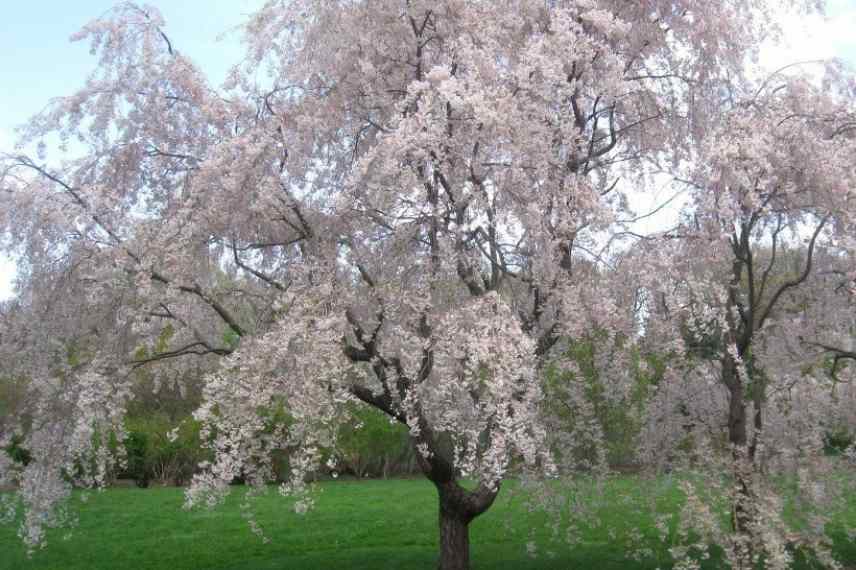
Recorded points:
(799, 280)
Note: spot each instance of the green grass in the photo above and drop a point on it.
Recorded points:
(355, 525)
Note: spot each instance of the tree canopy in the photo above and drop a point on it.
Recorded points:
(414, 205)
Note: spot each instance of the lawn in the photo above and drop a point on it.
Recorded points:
(356, 524)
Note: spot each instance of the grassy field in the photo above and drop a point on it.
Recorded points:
(355, 525)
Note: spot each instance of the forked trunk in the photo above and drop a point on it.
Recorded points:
(458, 507)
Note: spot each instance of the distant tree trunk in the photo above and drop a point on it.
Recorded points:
(743, 455)
(738, 439)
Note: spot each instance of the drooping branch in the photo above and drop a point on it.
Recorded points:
(382, 402)
(798, 280)
(160, 32)
(75, 194)
(262, 276)
(198, 348)
(773, 251)
(838, 354)
(196, 290)
(155, 275)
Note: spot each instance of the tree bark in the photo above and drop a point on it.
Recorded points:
(454, 539)
(742, 506)
(737, 437)
(458, 507)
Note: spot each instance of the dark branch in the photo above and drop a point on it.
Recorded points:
(266, 278)
(199, 348)
(799, 280)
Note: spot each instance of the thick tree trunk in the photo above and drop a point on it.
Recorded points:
(458, 507)
(454, 540)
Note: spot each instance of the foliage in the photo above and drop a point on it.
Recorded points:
(158, 451)
(371, 446)
(837, 442)
(16, 452)
(12, 396)
(587, 387)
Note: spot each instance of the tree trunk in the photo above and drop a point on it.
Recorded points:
(458, 507)
(742, 506)
(454, 540)
(737, 437)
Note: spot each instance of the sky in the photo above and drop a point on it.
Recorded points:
(38, 62)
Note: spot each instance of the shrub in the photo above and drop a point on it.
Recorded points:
(371, 446)
(16, 452)
(154, 456)
(836, 442)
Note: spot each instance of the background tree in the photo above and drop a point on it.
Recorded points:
(772, 199)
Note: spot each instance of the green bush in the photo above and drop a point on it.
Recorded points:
(371, 446)
(136, 445)
(368, 446)
(153, 456)
(572, 399)
(17, 452)
(836, 442)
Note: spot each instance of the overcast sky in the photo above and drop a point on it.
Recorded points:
(37, 61)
